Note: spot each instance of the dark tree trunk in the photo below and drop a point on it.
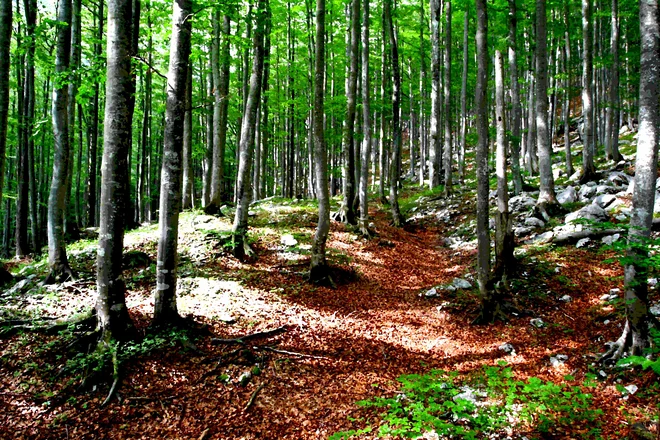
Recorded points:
(111, 303)
(635, 337)
(366, 124)
(516, 112)
(165, 307)
(395, 162)
(348, 177)
(187, 196)
(6, 13)
(318, 270)
(248, 131)
(57, 259)
(613, 114)
(461, 161)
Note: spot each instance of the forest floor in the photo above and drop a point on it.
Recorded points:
(331, 346)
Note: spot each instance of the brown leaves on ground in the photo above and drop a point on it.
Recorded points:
(340, 345)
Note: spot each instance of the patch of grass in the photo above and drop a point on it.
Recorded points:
(491, 402)
(412, 195)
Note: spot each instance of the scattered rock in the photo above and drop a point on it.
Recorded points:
(566, 298)
(631, 389)
(460, 283)
(534, 222)
(586, 193)
(469, 394)
(569, 195)
(252, 214)
(609, 239)
(537, 322)
(615, 291)
(431, 293)
(558, 360)
(521, 231)
(652, 282)
(602, 375)
(288, 240)
(590, 212)
(608, 297)
(655, 310)
(604, 200)
(245, 378)
(605, 189)
(583, 242)
(520, 203)
(546, 237)
(507, 348)
(226, 318)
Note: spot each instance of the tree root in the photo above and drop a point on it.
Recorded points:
(241, 340)
(60, 274)
(115, 377)
(254, 396)
(629, 343)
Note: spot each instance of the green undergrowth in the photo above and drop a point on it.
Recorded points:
(490, 402)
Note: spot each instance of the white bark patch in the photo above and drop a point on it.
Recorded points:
(162, 286)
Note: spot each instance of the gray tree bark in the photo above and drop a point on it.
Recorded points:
(6, 14)
(435, 147)
(248, 134)
(365, 151)
(547, 195)
(220, 60)
(613, 113)
(187, 196)
(589, 148)
(57, 258)
(448, 147)
(516, 111)
(568, 158)
(635, 337)
(318, 269)
(395, 162)
(348, 149)
(461, 153)
(165, 307)
(113, 318)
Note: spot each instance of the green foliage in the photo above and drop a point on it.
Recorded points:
(646, 362)
(439, 401)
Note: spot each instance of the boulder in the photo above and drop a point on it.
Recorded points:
(18, 287)
(591, 212)
(606, 189)
(558, 360)
(586, 192)
(569, 195)
(537, 322)
(520, 203)
(566, 298)
(288, 240)
(534, 222)
(610, 239)
(507, 348)
(604, 200)
(582, 242)
(460, 283)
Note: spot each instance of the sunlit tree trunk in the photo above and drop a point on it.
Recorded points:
(435, 147)
(165, 307)
(187, 189)
(613, 113)
(366, 124)
(448, 147)
(461, 153)
(6, 13)
(248, 134)
(567, 96)
(113, 318)
(57, 258)
(635, 337)
(589, 148)
(516, 112)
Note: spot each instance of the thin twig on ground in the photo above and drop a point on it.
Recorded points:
(254, 396)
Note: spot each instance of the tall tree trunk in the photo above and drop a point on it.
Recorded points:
(489, 300)
(448, 148)
(435, 148)
(187, 196)
(22, 184)
(461, 153)
(208, 157)
(111, 310)
(613, 113)
(547, 195)
(72, 215)
(422, 97)
(265, 127)
(395, 162)
(635, 337)
(57, 259)
(165, 307)
(589, 144)
(504, 240)
(347, 207)
(318, 270)
(220, 59)
(366, 124)
(516, 113)
(248, 131)
(6, 13)
(94, 127)
(567, 96)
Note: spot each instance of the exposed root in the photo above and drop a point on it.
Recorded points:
(320, 275)
(213, 209)
(254, 396)
(242, 339)
(628, 343)
(115, 379)
(60, 274)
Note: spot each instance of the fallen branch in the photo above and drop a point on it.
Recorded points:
(291, 353)
(150, 398)
(254, 396)
(242, 339)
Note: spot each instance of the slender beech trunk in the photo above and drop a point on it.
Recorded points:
(318, 270)
(94, 130)
(22, 184)
(435, 148)
(366, 124)
(382, 141)
(348, 178)
(568, 157)
(165, 307)
(6, 13)
(461, 152)
(30, 102)
(57, 259)
(208, 113)
(516, 112)
(248, 132)
(613, 113)
(422, 97)
(504, 240)
(111, 308)
(489, 301)
(635, 337)
(448, 148)
(73, 214)
(395, 162)
(544, 145)
(589, 144)
(265, 127)
(187, 189)
(220, 60)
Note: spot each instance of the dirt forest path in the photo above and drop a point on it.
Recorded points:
(338, 345)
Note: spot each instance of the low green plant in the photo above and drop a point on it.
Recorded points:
(440, 401)
(652, 360)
